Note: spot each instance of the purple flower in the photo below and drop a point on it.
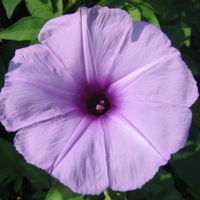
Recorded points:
(102, 102)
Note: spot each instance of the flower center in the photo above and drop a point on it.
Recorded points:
(98, 104)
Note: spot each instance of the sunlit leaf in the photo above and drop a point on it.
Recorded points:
(133, 11)
(25, 29)
(60, 192)
(45, 9)
(107, 197)
(187, 34)
(36, 41)
(148, 15)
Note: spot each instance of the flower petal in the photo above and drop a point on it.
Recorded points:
(165, 126)
(98, 37)
(146, 45)
(70, 148)
(63, 36)
(166, 80)
(36, 88)
(42, 142)
(108, 32)
(132, 160)
(124, 46)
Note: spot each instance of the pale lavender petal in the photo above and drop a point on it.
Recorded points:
(146, 45)
(36, 88)
(132, 160)
(42, 142)
(109, 31)
(166, 80)
(124, 46)
(63, 36)
(98, 41)
(165, 126)
(70, 148)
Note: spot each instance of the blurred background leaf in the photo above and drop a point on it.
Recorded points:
(111, 3)
(10, 6)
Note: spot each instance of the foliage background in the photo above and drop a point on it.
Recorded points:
(20, 22)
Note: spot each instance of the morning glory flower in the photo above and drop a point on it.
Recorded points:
(101, 102)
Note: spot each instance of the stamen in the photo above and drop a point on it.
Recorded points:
(102, 102)
(99, 108)
(98, 104)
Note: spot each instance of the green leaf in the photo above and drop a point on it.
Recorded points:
(95, 197)
(196, 117)
(9, 157)
(175, 33)
(107, 197)
(16, 166)
(3, 176)
(18, 184)
(37, 177)
(159, 7)
(26, 28)
(148, 15)
(8, 48)
(45, 9)
(133, 11)
(39, 195)
(115, 195)
(10, 6)
(36, 41)
(171, 194)
(187, 34)
(57, 7)
(10, 178)
(60, 192)
(186, 152)
(135, 1)
(191, 64)
(111, 3)
(188, 169)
